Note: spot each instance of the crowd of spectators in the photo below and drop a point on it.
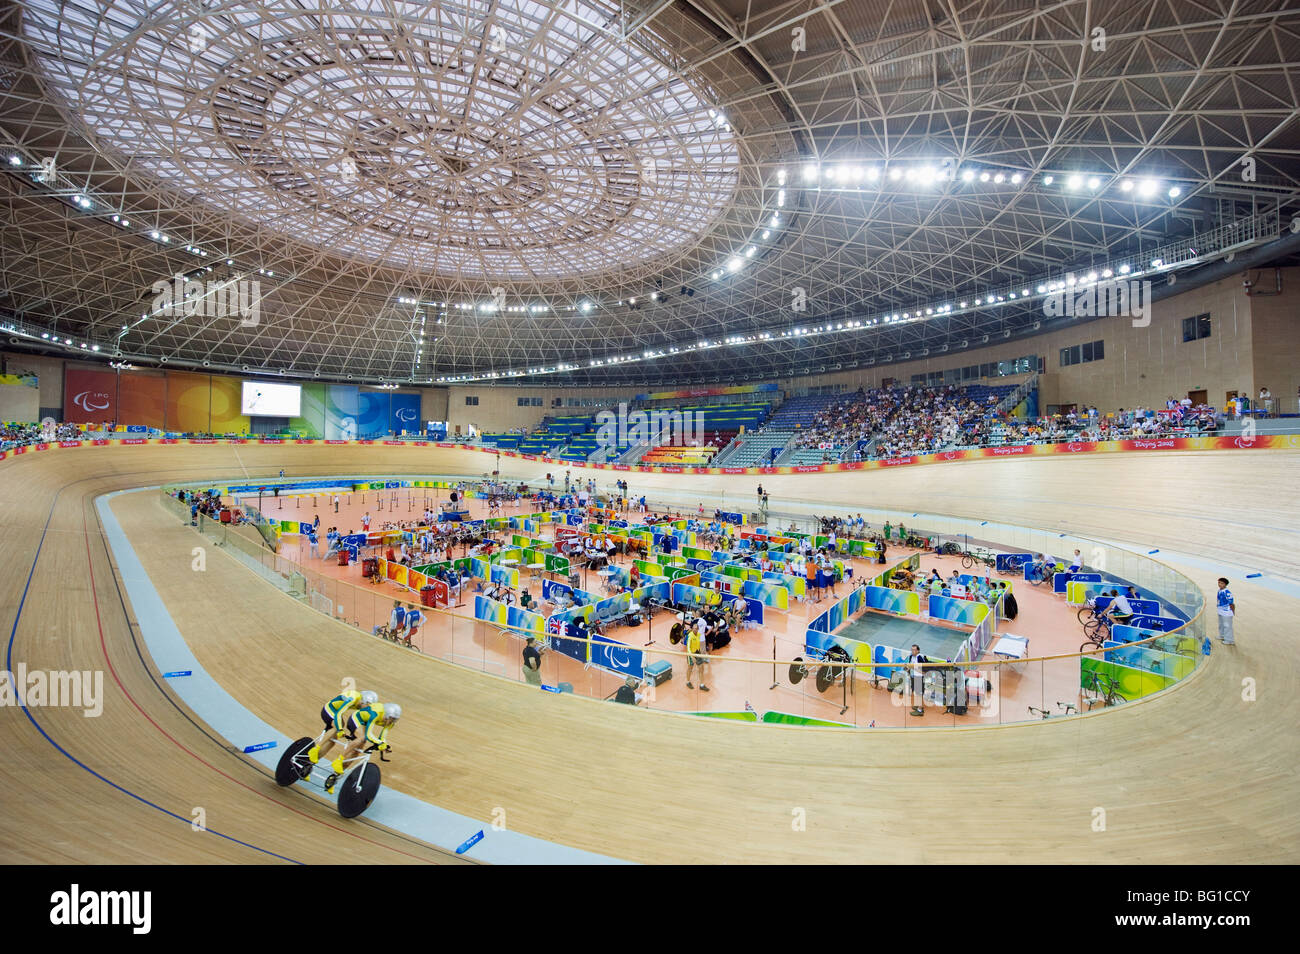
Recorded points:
(901, 421)
(17, 435)
(1177, 418)
(906, 421)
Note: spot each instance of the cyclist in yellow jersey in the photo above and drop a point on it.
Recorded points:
(373, 721)
(336, 714)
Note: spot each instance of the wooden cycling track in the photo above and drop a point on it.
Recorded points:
(1194, 775)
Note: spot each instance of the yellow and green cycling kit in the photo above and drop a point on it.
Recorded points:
(336, 710)
(369, 718)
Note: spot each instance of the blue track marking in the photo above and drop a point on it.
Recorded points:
(9, 654)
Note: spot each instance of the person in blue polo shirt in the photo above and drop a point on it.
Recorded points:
(1227, 608)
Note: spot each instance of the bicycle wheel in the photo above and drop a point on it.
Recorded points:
(967, 561)
(1090, 646)
(1086, 613)
(290, 768)
(1093, 629)
(825, 677)
(358, 789)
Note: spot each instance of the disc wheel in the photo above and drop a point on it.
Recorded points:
(825, 677)
(798, 671)
(358, 789)
(293, 765)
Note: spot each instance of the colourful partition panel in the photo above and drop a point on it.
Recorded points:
(786, 718)
(647, 568)
(682, 593)
(522, 619)
(964, 612)
(891, 600)
(730, 585)
(769, 594)
(1132, 683)
(490, 611)
(657, 591)
(836, 615)
(797, 585)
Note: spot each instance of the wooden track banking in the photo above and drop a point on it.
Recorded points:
(1197, 774)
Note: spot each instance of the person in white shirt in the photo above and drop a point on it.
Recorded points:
(1119, 610)
(1227, 612)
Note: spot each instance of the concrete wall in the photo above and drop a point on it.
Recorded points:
(433, 404)
(19, 403)
(498, 408)
(48, 370)
(1142, 366)
(1275, 326)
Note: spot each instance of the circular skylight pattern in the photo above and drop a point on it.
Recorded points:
(479, 140)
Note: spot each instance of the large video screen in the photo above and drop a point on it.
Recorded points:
(263, 399)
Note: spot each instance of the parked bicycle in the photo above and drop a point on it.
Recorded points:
(1096, 633)
(1099, 688)
(978, 555)
(1067, 708)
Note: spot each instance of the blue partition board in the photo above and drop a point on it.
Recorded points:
(617, 657)
(816, 642)
(561, 643)
(1121, 633)
(552, 587)
(887, 654)
(1161, 624)
(1060, 579)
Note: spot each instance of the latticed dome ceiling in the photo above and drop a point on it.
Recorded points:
(478, 141)
(619, 191)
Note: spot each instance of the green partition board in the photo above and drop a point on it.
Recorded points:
(736, 716)
(786, 718)
(1132, 683)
